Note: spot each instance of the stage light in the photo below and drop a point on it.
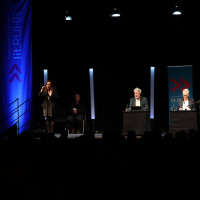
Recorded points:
(115, 13)
(177, 11)
(45, 72)
(152, 80)
(68, 16)
(91, 74)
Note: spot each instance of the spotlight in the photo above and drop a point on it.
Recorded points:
(68, 17)
(177, 11)
(115, 13)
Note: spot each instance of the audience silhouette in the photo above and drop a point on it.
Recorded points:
(113, 164)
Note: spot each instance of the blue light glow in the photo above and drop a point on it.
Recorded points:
(68, 18)
(92, 93)
(45, 71)
(152, 80)
(16, 76)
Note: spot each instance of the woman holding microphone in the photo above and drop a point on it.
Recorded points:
(48, 95)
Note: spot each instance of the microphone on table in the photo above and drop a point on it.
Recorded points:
(196, 102)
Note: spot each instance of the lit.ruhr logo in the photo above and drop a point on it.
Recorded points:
(15, 75)
(178, 85)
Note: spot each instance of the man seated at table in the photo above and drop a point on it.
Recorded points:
(186, 103)
(138, 100)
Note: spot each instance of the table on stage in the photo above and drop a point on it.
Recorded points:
(182, 121)
(138, 121)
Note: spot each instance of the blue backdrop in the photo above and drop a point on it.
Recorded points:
(179, 78)
(15, 59)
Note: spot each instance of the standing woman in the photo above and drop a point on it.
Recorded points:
(49, 96)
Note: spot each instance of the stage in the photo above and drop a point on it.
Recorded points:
(53, 51)
(38, 134)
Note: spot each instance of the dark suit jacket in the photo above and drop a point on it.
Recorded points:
(48, 102)
(81, 108)
(44, 97)
(143, 103)
(190, 101)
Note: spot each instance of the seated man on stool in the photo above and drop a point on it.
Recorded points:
(77, 114)
(138, 100)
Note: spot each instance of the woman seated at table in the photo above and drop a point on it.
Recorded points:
(186, 103)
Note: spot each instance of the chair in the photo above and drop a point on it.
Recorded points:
(84, 125)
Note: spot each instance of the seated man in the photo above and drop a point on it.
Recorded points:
(138, 100)
(77, 113)
(186, 103)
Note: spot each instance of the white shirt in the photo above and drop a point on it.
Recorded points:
(137, 102)
(185, 104)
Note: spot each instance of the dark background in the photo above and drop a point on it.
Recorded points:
(121, 52)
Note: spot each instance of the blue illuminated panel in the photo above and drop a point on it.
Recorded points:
(16, 61)
(45, 71)
(92, 93)
(152, 80)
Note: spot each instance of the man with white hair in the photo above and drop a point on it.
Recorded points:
(138, 100)
(186, 103)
